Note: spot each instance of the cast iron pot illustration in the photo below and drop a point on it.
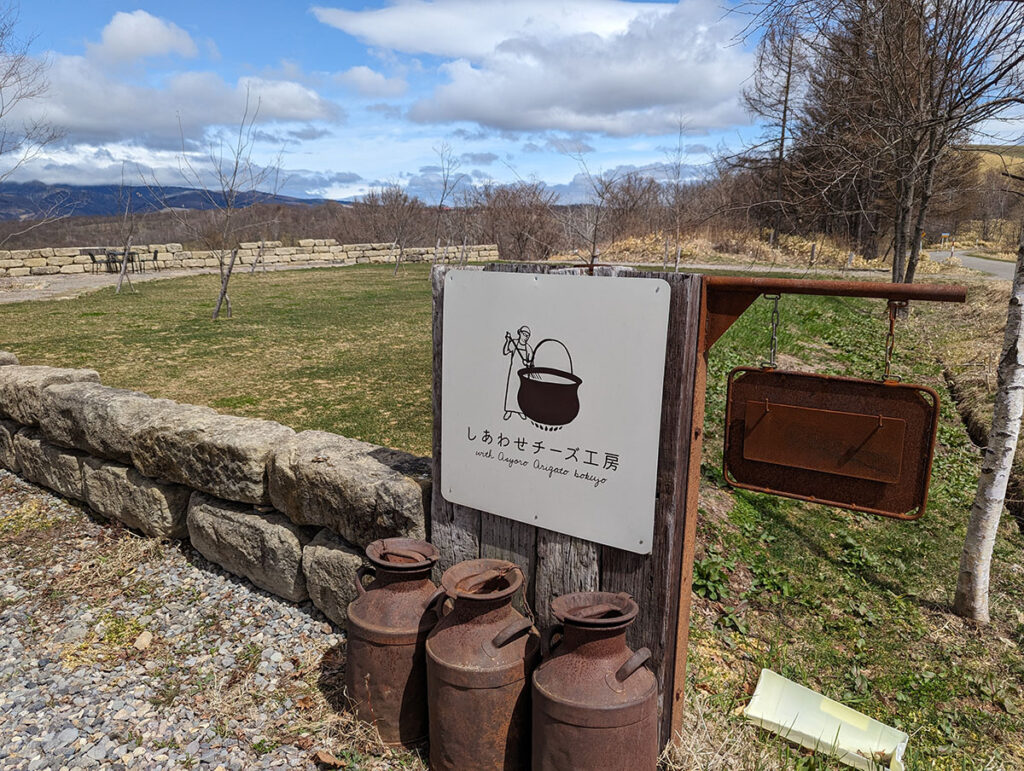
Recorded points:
(549, 396)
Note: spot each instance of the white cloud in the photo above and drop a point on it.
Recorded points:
(371, 83)
(138, 35)
(474, 28)
(602, 66)
(92, 105)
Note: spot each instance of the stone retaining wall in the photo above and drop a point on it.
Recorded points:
(290, 511)
(74, 259)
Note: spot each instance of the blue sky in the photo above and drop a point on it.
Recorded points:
(357, 94)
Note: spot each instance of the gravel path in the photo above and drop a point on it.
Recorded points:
(121, 652)
(59, 286)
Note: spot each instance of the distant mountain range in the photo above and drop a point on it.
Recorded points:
(32, 200)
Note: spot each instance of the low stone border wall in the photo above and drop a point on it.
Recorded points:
(75, 259)
(290, 511)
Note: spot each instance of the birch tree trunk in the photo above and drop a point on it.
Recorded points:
(976, 561)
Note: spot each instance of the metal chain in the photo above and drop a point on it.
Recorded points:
(890, 339)
(773, 346)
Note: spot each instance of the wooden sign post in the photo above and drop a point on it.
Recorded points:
(701, 308)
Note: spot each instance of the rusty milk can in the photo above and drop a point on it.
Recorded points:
(388, 623)
(479, 659)
(595, 705)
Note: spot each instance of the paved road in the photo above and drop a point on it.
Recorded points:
(996, 268)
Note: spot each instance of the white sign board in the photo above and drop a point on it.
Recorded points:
(551, 400)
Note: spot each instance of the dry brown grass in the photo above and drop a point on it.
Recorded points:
(713, 741)
(746, 249)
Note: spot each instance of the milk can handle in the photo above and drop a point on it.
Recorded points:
(436, 602)
(361, 572)
(548, 642)
(510, 631)
(552, 340)
(634, 663)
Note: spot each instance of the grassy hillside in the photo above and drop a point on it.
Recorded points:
(999, 157)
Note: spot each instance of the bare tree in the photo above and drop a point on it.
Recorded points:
(971, 600)
(450, 180)
(22, 80)
(519, 218)
(773, 97)
(229, 180)
(894, 87)
(673, 192)
(976, 559)
(126, 203)
(633, 201)
(394, 216)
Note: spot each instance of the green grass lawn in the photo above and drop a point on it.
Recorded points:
(854, 606)
(340, 350)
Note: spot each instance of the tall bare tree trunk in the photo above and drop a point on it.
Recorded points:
(922, 210)
(223, 298)
(976, 560)
(123, 274)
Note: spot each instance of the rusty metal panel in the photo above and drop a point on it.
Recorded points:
(856, 444)
(847, 443)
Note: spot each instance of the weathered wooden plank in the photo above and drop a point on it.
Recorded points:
(454, 529)
(564, 564)
(506, 539)
(696, 434)
(654, 580)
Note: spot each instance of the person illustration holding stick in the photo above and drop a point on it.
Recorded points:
(516, 347)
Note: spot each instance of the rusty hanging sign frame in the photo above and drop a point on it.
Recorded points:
(864, 445)
(855, 444)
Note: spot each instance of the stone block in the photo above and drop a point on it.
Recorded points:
(46, 270)
(329, 565)
(60, 260)
(222, 455)
(7, 358)
(8, 456)
(21, 389)
(96, 418)
(68, 269)
(18, 271)
(307, 242)
(266, 548)
(53, 467)
(358, 490)
(34, 262)
(120, 492)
